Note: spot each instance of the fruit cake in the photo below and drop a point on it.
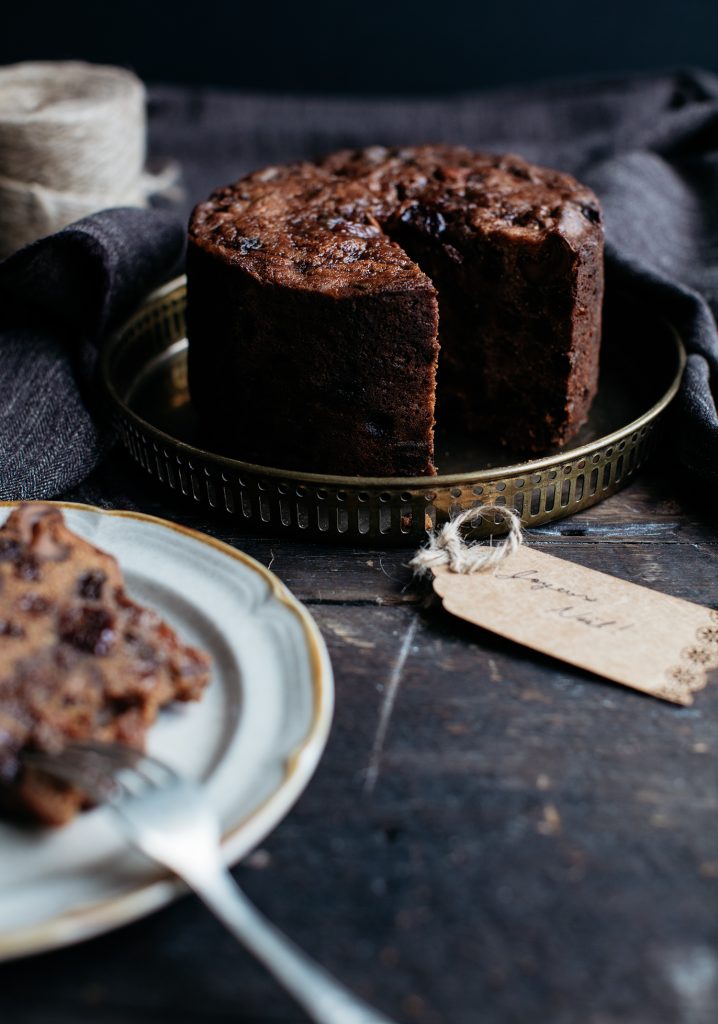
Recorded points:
(79, 659)
(336, 309)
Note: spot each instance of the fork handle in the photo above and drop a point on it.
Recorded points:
(325, 1000)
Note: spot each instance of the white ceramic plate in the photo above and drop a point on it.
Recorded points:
(254, 739)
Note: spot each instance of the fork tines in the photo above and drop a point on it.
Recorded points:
(105, 771)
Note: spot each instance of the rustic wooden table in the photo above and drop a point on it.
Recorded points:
(491, 836)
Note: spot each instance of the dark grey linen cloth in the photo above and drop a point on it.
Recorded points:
(648, 145)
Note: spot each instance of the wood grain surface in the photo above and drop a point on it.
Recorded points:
(491, 836)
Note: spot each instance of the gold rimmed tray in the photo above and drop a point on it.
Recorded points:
(143, 369)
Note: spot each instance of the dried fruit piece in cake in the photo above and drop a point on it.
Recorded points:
(78, 658)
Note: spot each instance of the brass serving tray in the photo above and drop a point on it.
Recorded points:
(144, 371)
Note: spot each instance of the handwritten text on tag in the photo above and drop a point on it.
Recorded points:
(652, 642)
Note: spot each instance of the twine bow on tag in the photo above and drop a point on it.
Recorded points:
(447, 547)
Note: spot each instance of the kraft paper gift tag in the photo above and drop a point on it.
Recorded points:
(661, 645)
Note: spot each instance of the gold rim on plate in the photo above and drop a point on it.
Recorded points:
(89, 920)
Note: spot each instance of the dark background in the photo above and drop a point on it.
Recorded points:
(428, 46)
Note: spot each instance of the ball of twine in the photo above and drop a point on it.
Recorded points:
(72, 141)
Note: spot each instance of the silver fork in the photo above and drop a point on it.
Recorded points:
(169, 820)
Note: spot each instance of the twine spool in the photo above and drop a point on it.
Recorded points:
(72, 141)
(448, 547)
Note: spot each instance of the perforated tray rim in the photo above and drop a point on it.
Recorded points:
(380, 510)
